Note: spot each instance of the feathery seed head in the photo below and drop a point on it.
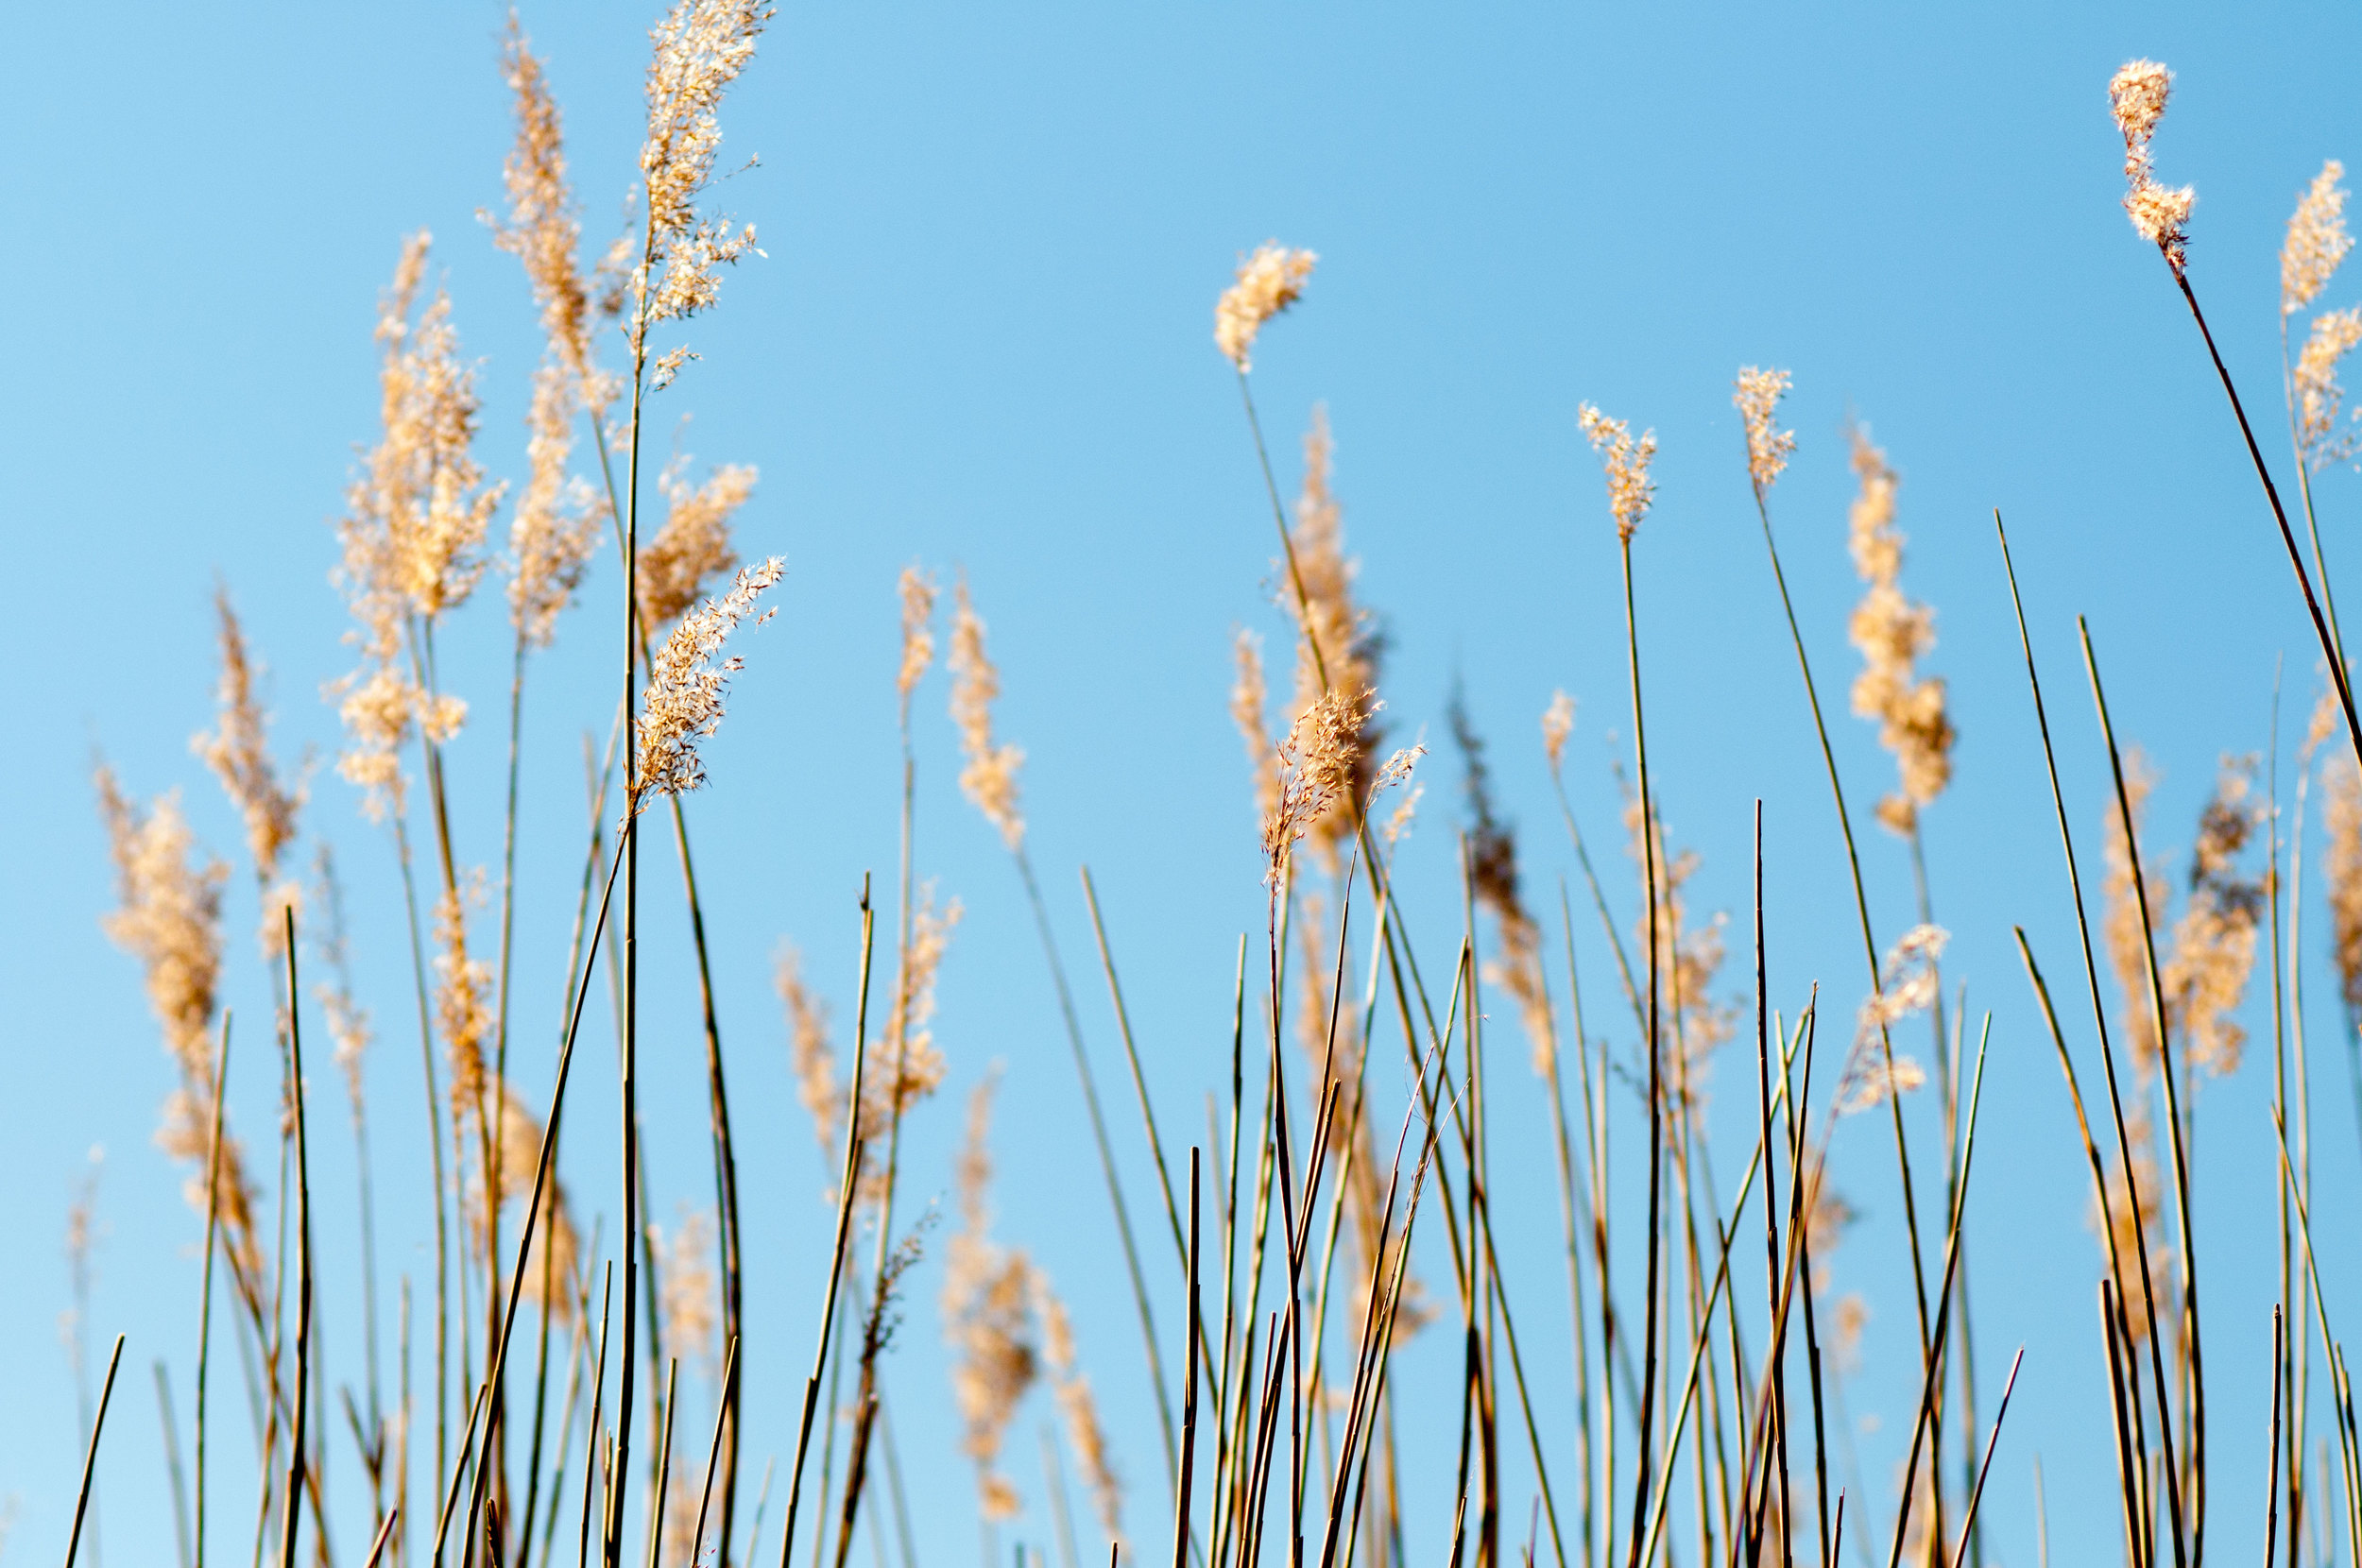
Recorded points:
(238, 752)
(690, 1290)
(683, 700)
(2213, 942)
(2341, 788)
(1558, 724)
(1350, 645)
(2317, 240)
(558, 521)
(987, 1316)
(2122, 924)
(544, 230)
(2137, 96)
(1078, 1410)
(1315, 768)
(989, 776)
(2321, 400)
(701, 46)
(549, 1274)
(918, 592)
(1758, 394)
(1893, 632)
(810, 1057)
(1628, 487)
(463, 987)
(168, 916)
(1249, 700)
(692, 548)
(1267, 282)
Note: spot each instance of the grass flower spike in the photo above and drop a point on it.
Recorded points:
(2137, 96)
(2320, 400)
(692, 548)
(990, 778)
(1892, 631)
(683, 702)
(1269, 281)
(2317, 242)
(1757, 395)
(1628, 487)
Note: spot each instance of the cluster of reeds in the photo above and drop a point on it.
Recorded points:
(1276, 1268)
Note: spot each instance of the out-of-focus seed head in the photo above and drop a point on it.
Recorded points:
(1267, 282)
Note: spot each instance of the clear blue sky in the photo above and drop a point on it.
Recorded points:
(981, 340)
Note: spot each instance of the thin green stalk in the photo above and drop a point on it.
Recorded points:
(90, 1456)
(205, 1291)
(297, 1458)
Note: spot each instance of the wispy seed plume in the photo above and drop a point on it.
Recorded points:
(1628, 487)
(683, 700)
(1267, 282)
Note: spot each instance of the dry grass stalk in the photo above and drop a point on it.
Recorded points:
(2137, 94)
(1267, 282)
(1351, 647)
(1492, 856)
(1892, 633)
(988, 774)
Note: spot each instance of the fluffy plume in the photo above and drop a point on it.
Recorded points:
(1351, 647)
(1558, 725)
(988, 777)
(1078, 1409)
(693, 549)
(2321, 435)
(1267, 282)
(2137, 96)
(1492, 851)
(2141, 1192)
(2213, 942)
(691, 1293)
(1757, 395)
(1688, 958)
(549, 1274)
(238, 752)
(167, 915)
(918, 594)
(683, 702)
(1907, 984)
(2341, 808)
(463, 990)
(2317, 242)
(987, 1317)
(904, 1065)
(1893, 632)
(1628, 487)
(1315, 769)
(1248, 701)
(810, 1056)
(543, 230)
(558, 521)
(701, 46)
(2127, 951)
(348, 1020)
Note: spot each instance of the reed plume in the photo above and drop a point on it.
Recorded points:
(693, 549)
(988, 774)
(701, 46)
(2342, 813)
(2317, 241)
(543, 230)
(1317, 596)
(1248, 703)
(1892, 633)
(2319, 398)
(916, 593)
(1628, 487)
(1078, 1407)
(2122, 924)
(1267, 282)
(548, 1278)
(1757, 394)
(1492, 856)
(1688, 958)
(1558, 726)
(812, 1060)
(463, 997)
(905, 1065)
(1907, 984)
(238, 752)
(2136, 94)
(559, 519)
(988, 1318)
(2213, 942)
(689, 1295)
(683, 702)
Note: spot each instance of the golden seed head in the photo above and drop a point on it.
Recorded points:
(810, 1056)
(693, 549)
(1758, 394)
(168, 916)
(2341, 805)
(2317, 240)
(2121, 924)
(987, 1317)
(1315, 768)
(463, 991)
(2137, 96)
(1350, 644)
(1267, 282)
(1628, 487)
(1078, 1409)
(989, 776)
(2213, 942)
(1908, 983)
(683, 700)
(689, 1291)
(549, 1274)
(905, 1065)
(543, 230)
(1492, 862)
(1687, 956)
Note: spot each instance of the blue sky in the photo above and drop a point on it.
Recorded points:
(979, 339)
